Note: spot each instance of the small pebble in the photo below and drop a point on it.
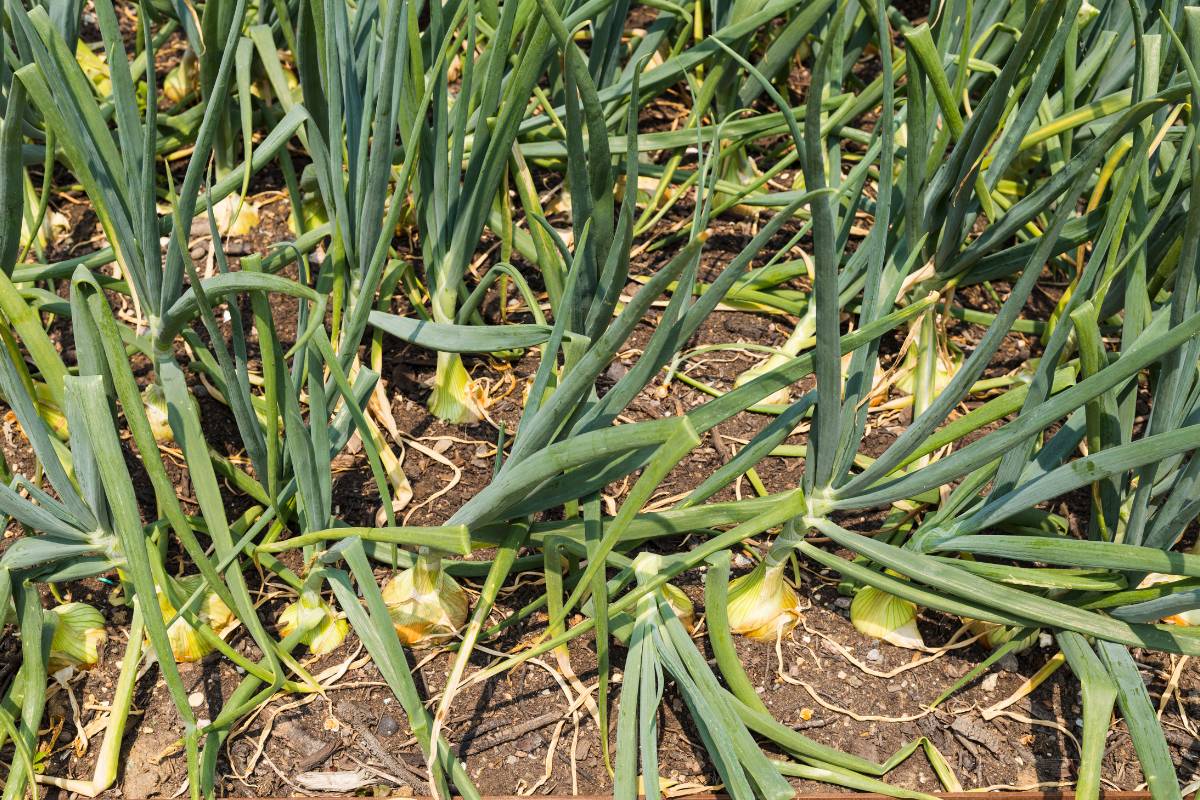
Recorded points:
(1045, 640)
(510, 760)
(842, 602)
(530, 743)
(874, 655)
(989, 683)
(195, 699)
(387, 726)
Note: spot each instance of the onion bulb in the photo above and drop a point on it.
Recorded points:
(682, 605)
(155, 403)
(186, 644)
(762, 604)
(456, 397)
(647, 566)
(880, 615)
(322, 629)
(78, 637)
(156, 413)
(183, 79)
(426, 604)
(995, 635)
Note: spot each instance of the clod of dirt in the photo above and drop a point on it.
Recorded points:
(387, 726)
(979, 732)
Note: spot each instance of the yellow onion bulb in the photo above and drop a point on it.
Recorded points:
(682, 605)
(236, 215)
(156, 413)
(427, 605)
(646, 566)
(881, 615)
(995, 635)
(456, 397)
(183, 79)
(155, 403)
(323, 630)
(762, 604)
(186, 643)
(78, 636)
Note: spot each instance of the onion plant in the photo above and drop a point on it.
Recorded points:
(1010, 470)
(998, 150)
(119, 174)
(1013, 468)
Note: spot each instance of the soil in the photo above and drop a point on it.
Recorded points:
(515, 731)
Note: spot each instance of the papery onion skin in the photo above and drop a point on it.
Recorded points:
(183, 79)
(156, 414)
